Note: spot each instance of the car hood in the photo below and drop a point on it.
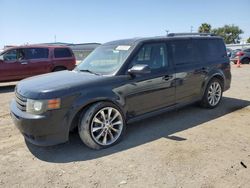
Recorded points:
(55, 84)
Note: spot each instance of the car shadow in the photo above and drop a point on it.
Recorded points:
(7, 88)
(162, 126)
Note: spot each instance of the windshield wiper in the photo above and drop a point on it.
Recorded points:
(89, 71)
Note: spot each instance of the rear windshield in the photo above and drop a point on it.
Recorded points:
(62, 52)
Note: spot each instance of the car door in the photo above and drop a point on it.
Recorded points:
(11, 69)
(189, 68)
(155, 90)
(36, 60)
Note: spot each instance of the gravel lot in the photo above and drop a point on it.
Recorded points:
(191, 147)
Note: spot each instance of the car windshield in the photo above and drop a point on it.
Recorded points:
(105, 59)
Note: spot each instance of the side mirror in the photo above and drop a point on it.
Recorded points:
(139, 69)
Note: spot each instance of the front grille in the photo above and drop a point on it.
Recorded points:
(21, 102)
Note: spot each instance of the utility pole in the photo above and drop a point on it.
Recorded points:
(55, 38)
(191, 29)
(167, 31)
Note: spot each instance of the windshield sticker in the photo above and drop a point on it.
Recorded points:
(123, 47)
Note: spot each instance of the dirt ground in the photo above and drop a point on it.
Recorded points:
(191, 147)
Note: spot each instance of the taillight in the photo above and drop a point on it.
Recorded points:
(240, 53)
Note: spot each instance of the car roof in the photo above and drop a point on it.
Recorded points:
(36, 46)
(134, 41)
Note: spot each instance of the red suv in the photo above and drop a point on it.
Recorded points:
(21, 62)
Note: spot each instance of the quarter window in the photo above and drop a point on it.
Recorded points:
(153, 55)
(62, 52)
(212, 49)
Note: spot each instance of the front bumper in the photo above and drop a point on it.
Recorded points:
(43, 130)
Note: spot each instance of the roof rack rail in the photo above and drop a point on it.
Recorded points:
(190, 34)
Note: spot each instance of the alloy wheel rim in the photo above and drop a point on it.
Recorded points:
(214, 93)
(106, 126)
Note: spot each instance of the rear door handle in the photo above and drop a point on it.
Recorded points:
(167, 77)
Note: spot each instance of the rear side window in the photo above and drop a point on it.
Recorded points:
(35, 53)
(211, 49)
(184, 52)
(62, 52)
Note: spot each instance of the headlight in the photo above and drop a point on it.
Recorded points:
(41, 106)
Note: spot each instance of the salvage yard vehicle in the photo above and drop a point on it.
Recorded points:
(21, 62)
(242, 55)
(122, 82)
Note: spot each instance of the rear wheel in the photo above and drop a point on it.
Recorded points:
(213, 94)
(56, 69)
(101, 125)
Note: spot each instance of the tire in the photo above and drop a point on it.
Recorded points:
(213, 94)
(245, 61)
(97, 122)
(56, 69)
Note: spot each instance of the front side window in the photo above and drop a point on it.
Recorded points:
(10, 55)
(153, 55)
(105, 59)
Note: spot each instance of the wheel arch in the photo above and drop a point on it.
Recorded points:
(81, 108)
(217, 75)
(61, 67)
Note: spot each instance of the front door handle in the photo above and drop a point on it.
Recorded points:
(24, 62)
(167, 77)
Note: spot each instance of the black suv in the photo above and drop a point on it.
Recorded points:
(121, 82)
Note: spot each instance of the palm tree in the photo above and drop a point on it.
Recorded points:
(205, 28)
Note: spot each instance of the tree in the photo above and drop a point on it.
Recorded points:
(230, 33)
(205, 28)
(248, 40)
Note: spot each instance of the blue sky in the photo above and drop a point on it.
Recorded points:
(80, 21)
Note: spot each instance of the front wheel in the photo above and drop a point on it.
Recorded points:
(101, 125)
(213, 94)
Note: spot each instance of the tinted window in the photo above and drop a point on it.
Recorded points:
(184, 52)
(62, 52)
(35, 53)
(10, 55)
(153, 55)
(211, 49)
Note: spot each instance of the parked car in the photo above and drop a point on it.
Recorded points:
(229, 52)
(21, 62)
(118, 83)
(243, 55)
